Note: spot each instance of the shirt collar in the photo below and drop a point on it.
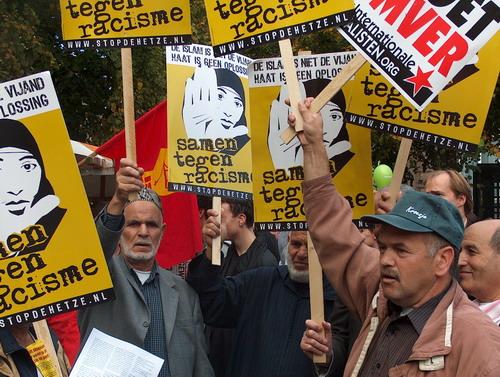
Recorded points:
(154, 273)
(418, 316)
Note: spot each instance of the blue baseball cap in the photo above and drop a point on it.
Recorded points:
(420, 212)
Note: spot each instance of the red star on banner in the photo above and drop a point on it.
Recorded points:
(419, 80)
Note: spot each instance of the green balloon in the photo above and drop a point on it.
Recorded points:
(382, 176)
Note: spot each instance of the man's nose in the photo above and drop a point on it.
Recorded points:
(462, 259)
(386, 258)
(302, 251)
(143, 230)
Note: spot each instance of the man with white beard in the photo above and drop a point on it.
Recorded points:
(153, 309)
(268, 307)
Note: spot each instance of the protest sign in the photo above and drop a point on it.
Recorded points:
(419, 46)
(51, 259)
(208, 116)
(277, 167)
(237, 25)
(454, 119)
(124, 23)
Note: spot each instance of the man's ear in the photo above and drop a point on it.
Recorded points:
(461, 200)
(242, 218)
(443, 261)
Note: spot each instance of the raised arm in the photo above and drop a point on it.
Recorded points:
(109, 222)
(315, 157)
(349, 264)
(221, 299)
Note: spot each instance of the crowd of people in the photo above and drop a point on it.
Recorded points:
(416, 295)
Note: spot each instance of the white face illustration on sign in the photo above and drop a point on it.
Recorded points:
(230, 107)
(214, 105)
(20, 175)
(285, 156)
(26, 196)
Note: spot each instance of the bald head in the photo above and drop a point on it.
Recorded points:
(495, 237)
(490, 230)
(479, 261)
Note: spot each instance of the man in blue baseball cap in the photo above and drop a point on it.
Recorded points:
(417, 319)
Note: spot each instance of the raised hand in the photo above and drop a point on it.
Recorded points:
(313, 343)
(200, 105)
(16, 223)
(283, 155)
(128, 181)
(211, 229)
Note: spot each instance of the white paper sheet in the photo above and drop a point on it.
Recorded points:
(105, 356)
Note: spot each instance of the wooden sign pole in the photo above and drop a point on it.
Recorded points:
(217, 242)
(291, 80)
(399, 169)
(43, 333)
(128, 103)
(128, 106)
(315, 273)
(315, 291)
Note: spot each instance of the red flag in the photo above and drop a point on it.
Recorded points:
(182, 238)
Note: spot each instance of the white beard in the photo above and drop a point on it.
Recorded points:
(296, 275)
(130, 254)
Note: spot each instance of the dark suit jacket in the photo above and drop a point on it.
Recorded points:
(268, 311)
(127, 317)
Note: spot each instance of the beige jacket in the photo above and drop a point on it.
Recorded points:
(8, 368)
(458, 339)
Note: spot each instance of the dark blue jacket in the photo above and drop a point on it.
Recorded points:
(268, 310)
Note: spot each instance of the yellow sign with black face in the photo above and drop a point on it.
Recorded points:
(124, 23)
(239, 24)
(454, 119)
(277, 167)
(51, 259)
(208, 123)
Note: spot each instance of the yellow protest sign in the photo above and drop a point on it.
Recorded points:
(455, 119)
(41, 358)
(420, 46)
(51, 259)
(208, 116)
(277, 167)
(239, 24)
(124, 23)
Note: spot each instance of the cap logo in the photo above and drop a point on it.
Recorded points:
(413, 211)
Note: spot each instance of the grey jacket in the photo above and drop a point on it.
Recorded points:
(127, 317)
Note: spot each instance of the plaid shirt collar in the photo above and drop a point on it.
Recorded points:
(418, 316)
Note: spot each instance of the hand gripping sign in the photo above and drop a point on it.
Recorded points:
(277, 166)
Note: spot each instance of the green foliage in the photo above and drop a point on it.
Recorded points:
(89, 87)
(491, 133)
(88, 82)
